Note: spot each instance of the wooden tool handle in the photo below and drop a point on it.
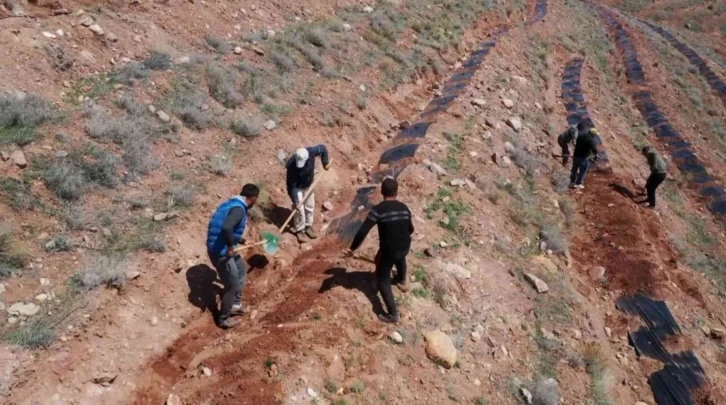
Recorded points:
(243, 247)
(305, 197)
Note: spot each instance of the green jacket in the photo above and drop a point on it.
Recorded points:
(656, 163)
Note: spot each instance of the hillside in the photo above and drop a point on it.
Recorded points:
(123, 125)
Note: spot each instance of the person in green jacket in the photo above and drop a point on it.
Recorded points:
(658, 171)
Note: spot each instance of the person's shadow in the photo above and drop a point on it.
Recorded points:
(275, 214)
(363, 281)
(202, 288)
(624, 191)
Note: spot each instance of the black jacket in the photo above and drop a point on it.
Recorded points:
(302, 178)
(584, 146)
(394, 227)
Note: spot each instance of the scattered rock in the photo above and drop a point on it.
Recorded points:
(608, 332)
(238, 50)
(328, 206)
(457, 270)
(368, 9)
(440, 348)
(87, 22)
(458, 182)
(475, 336)
(105, 379)
(487, 135)
(163, 116)
(537, 283)
(526, 395)
(2, 288)
(49, 35)
(154, 321)
(206, 371)
(497, 159)
(347, 27)
(500, 353)
(508, 147)
(18, 157)
(132, 274)
(546, 392)
(479, 102)
(537, 105)
(111, 37)
(515, 123)
(396, 337)
(165, 216)
(44, 282)
(173, 400)
(96, 29)
(41, 297)
(597, 273)
(312, 393)
(718, 333)
(429, 252)
(258, 51)
(269, 125)
(506, 161)
(477, 382)
(4, 155)
(508, 103)
(50, 246)
(576, 334)
(22, 309)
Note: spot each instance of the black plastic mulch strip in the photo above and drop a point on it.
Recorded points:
(673, 384)
(713, 80)
(655, 314)
(683, 156)
(347, 225)
(575, 103)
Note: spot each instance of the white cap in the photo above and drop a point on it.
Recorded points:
(301, 156)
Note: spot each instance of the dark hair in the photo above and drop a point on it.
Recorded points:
(389, 187)
(250, 190)
(645, 149)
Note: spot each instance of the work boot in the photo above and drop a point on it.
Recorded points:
(238, 310)
(403, 286)
(300, 237)
(228, 323)
(310, 233)
(388, 318)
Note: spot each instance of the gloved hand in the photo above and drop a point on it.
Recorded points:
(326, 167)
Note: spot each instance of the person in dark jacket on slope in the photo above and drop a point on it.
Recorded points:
(584, 146)
(658, 172)
(300, 176)
(394, 231)
(564, 140)
(225, 230)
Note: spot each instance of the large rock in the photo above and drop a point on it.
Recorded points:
(479, 102)
(173, 400)
(457, 270)
(537, 283)
(22, 309)
(508, 103)
(96, 29)
(163, 116)
(18, 157)
(440, 348)
(515, 123)
(546, 392)
(544, 263)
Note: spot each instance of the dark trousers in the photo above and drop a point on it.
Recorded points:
(385, 260)
(652, 184)
(232, 273)
(579, 169)
(565, 153)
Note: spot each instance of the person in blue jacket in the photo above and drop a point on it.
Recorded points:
(224, 231)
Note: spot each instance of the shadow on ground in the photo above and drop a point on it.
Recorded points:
(363, 281)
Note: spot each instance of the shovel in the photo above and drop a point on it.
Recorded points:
(271, 240)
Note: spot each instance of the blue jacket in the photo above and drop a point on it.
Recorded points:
(302, 178)
(215, 240)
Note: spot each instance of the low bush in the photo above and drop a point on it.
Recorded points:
(100, 271)
(222, 84)
(11, 257)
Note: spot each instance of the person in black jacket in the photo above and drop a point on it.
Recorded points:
(300, 175)
(581, 158)
(394, 231)
(564, 140)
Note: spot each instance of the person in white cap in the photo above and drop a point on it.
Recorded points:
(300, 176)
